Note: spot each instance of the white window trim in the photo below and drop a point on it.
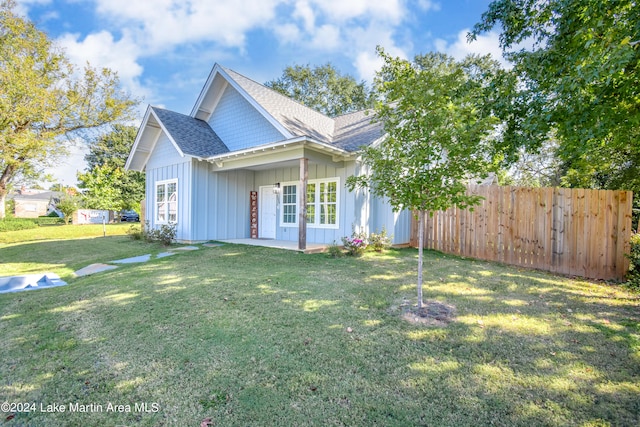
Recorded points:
(165, 182)
(316, 223)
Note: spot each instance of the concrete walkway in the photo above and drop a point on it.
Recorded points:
(271, 243)
(18, 283)
(279, 244)
(99, 267)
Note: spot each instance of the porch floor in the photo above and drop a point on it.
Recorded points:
(279, 244)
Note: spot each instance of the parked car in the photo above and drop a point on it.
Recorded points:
(126, 216)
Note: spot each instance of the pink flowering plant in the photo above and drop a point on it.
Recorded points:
(356, 244)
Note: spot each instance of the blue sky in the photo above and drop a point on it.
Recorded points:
(163, 50)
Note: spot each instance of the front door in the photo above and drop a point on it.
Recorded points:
(267, 213)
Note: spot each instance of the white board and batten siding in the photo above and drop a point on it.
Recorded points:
(239, 124)
(164, 164)
(224, 208)
(397, 224)
(348, 213)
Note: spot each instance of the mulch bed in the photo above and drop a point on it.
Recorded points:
(432, 313)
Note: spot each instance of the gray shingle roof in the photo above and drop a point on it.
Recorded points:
(194, 136)
(356, 130)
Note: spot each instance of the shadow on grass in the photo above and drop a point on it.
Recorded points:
(63, 257)
(256, 336)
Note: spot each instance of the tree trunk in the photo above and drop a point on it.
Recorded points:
(420, 250)
(3, 197)
(5, 176)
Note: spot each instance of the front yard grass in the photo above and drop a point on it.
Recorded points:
(64, 249)
(258, 336)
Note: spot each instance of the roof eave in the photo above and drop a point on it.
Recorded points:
(285, 144)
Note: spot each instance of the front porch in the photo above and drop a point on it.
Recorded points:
(311, 248)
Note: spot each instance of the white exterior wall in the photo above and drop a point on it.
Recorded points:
(231, 199)
(165, 163)
(397, 224)
(350, 209)
(239, 124)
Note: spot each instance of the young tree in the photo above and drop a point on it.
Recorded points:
(108, 185)
(323, 88)
(578, 65)
(43, 99)
(436, 116)
(68, 204)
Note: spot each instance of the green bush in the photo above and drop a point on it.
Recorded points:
(135, 232)
(165, 234)
(48, 220)
(356, 244)
(14, 224)
(380, 241)
(633, 276)
(335, 251)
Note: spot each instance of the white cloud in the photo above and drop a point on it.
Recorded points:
(367, 63)
(428, 5)
(342, 10)
(163, 24)
(484, 44)
(304, 11)
(22, 6)
(287, 33)
(326, 37)
(363, 42)
(101, 50)
(67, 167)
(346, 28)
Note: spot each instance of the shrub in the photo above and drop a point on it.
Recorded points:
(165, 234)
(135, 232)
(356, 244)
(380, 241)
(48, 220)
(633, 276)
(14, 224)
(335, 251)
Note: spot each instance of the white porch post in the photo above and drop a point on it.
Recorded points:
(302, 203)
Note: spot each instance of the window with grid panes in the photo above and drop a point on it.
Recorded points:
(289, 202)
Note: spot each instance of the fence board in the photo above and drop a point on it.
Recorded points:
(568, 231)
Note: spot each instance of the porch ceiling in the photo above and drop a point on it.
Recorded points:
(281, 154)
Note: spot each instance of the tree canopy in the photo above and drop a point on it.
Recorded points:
(322, 88)
(577, 65)
(436, 114)
(44, 100)
(108, 185)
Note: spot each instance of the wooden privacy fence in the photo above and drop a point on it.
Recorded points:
(568, 231)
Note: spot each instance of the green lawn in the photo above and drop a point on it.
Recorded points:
(252, 336)
(65, 249)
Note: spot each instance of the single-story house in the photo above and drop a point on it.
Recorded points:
(29, 203)
(250, 162)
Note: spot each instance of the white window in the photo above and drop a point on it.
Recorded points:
(322, 203)
(328, 203)
(289, 204)
(167, 202)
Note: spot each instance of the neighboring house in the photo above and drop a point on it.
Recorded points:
(243, 140)
(34, 203)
